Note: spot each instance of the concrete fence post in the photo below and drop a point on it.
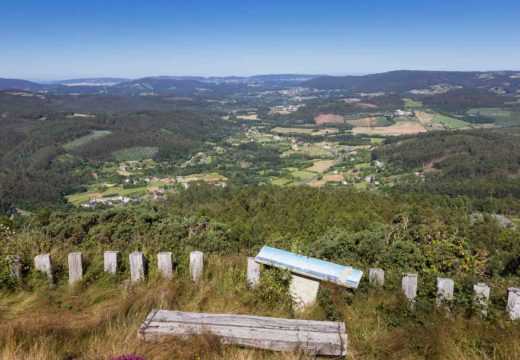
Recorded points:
(15, 267)
(43, 263)
(110, 261)
(513, 303)
(136, 266)
(75, 261)
(445, 289)
(165, 264)
(253, 272)
(196, 265)
(409, 286)
(303, 291)
(376, 277)
(482, 296)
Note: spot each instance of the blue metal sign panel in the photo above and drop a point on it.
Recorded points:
(310, 267)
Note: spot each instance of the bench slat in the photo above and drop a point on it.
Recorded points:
(250, 331)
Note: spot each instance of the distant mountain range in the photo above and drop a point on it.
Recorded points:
(410, 80)
(417, 82)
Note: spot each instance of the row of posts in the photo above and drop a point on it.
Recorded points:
(43, 264)
(445, 286)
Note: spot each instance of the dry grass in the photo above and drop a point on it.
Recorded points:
(321, 165)
(401, 128)
(102, 320)
(424, 117)
(329, 118)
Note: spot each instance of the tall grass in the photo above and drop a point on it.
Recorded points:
(99, 320)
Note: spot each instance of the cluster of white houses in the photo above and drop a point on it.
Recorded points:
(299, 292)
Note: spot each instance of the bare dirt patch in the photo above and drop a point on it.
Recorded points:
(401, 128)
(321, 165)
(329, 118)
(424, 117)
(248, 117)
(326, 179)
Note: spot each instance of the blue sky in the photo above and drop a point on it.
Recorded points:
(58, 39)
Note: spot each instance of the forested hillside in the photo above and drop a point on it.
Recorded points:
(47, 151)
(476, 163)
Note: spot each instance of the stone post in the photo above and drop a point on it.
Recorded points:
(409, 285)
(303, 291)
(15, 267)
(513, 303)
(164, 262)
(75, 261)
(482, 296)
(196, 265)
(376, 277)
(110, 261)
(136, 266)
(253, 272)
(43, 263)
(445, 289)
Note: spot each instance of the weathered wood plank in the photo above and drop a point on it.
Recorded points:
(317, 337)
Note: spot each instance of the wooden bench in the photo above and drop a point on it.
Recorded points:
(314, 337)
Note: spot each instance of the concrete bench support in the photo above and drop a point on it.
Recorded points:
(15, 267)
(303, 291)
(136, 266)
(43, 263)
(513, 303)
(409, 285)
(482, 296)
(75, 261)
(253, 272)
(165, 264)
(196, 265)
(445, 289)
(376, 277)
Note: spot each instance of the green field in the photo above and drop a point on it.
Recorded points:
(502, 117)
(413, 104)
(135, 153)
(449, 122)
(383, 121)
(80, 198)
(376, 140)
(280, 181)
(302, 174)
(94, 135)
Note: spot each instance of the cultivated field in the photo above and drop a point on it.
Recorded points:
(368, 121)
(449, 122)
(424, 117)
(250, 117)
(401, 128)
(94, 135)
(329, 118)
(321, 165)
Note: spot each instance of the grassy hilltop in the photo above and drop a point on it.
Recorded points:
(431, 235)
